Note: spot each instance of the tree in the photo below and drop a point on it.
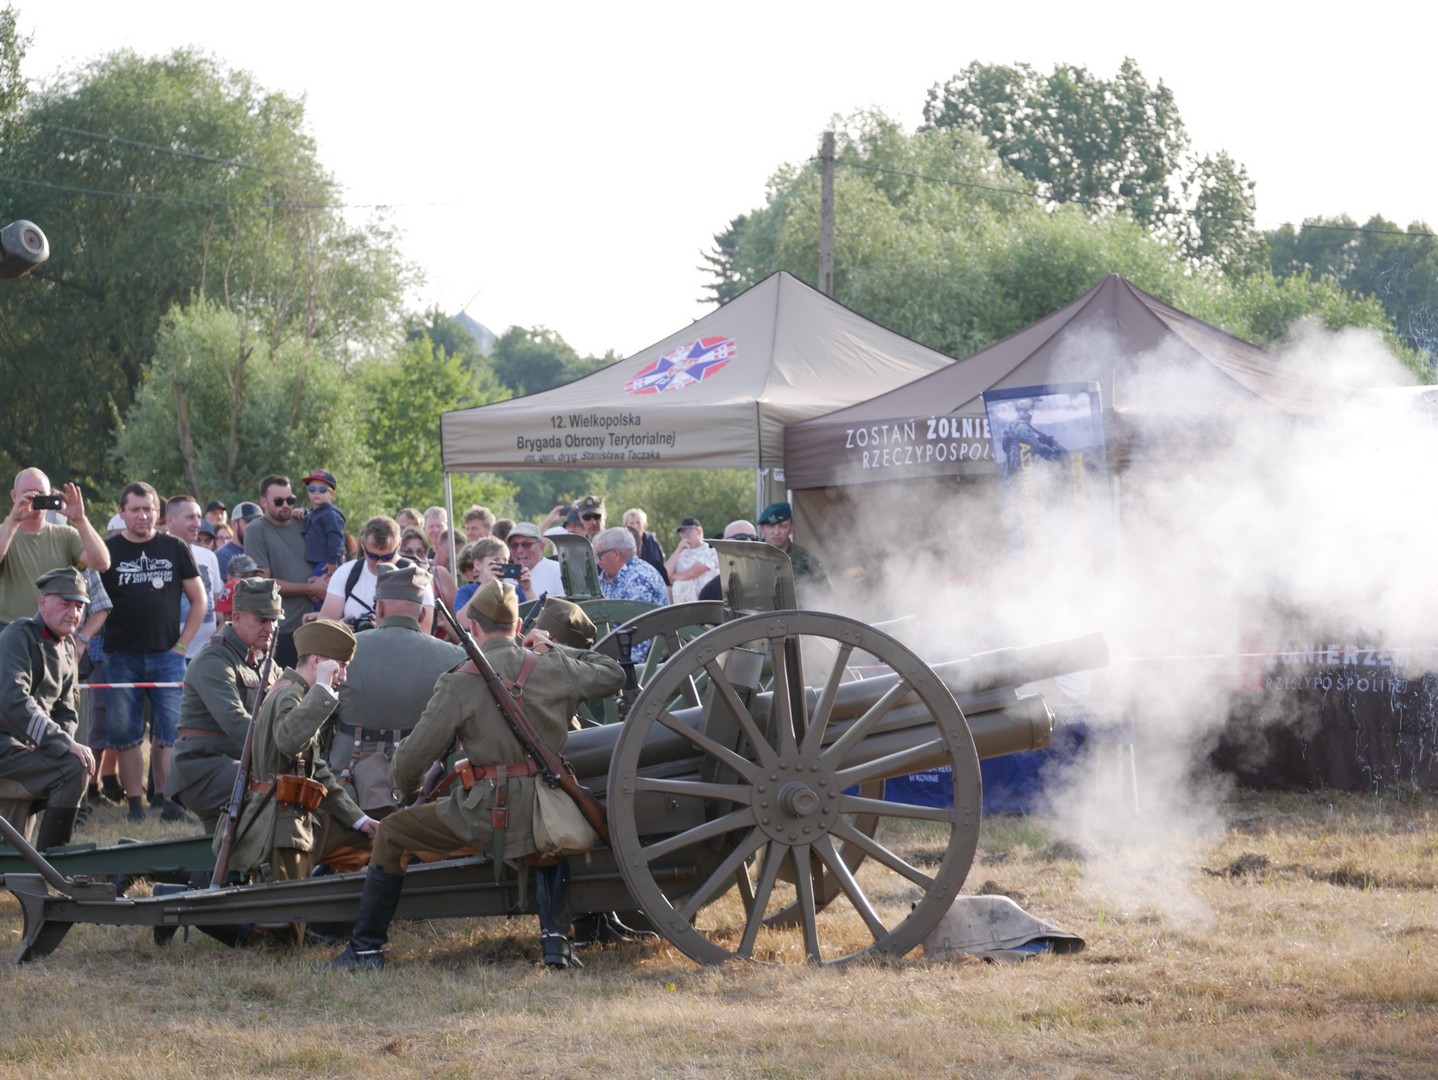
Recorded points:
(715, 496)
(528, 360)
(220, 406)
(161, 182)
(12, 54)
(1108, 145)
(406, 395)
(1397, 267)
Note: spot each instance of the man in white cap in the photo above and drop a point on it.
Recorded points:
(526, 547)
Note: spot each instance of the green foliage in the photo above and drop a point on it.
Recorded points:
(12, 55)
(1397, 267)
(715, 496)
(220, 407)
(530, 359)
(405, 396)
(161, 181)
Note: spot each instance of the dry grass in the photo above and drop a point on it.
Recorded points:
(1301, 943)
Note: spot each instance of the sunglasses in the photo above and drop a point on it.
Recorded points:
(317, 487)
(289, 501)
(373, 557)
(416, 553)
(592, 517)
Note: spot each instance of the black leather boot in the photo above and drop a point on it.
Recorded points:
(376, 909)
(551, 892)
(56, 827)
(606, 928)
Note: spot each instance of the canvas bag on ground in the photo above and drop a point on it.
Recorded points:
(559, 827)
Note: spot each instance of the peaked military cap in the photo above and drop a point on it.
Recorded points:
(260, 596)
(325, 637)
(566, 623)
(402, 583)
(497, 601)
(591, 504)
(63, 581)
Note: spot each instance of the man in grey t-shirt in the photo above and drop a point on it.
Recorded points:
(276, 542)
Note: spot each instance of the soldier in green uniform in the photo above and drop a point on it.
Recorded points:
(463, 708)
(273, 829)
(777, 525)
(38, 718)
(387, 686)
(218, 699)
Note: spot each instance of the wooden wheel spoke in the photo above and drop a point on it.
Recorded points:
(824, 707)
(808, 909)
(857, 804)
(861, 727)
(875, 850)
(721, 684)
(773, 858)
(694, 789)
(825, 847)
(700, 896)
(741, 765)
(743, 818)
(895, 764)
(782, 721)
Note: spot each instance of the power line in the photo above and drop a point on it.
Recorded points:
(192, 201)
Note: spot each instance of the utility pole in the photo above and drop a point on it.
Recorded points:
(826, 215)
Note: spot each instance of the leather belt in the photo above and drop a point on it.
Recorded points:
(469, 775)
(393, 734)
(260, 787)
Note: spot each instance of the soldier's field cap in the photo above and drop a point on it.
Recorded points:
(325, 637)
(259, 596)
(774, 513)
(526, 528)
(402, 583)
(65, 582)
(591, 504)
(497, 601)
(566, 623)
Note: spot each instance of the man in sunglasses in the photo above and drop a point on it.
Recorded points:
(351, 593)
(591, 512)
(276, 542)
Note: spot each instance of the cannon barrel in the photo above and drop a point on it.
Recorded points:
(985, 685)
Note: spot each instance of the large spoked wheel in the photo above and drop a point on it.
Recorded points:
(667, 629)
(773, 824)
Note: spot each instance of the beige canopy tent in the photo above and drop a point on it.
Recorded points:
(716, 394)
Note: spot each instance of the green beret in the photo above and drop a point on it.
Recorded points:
(260, 596)
(566, 623)
(325, 637)
(63, 581)
(774, 513)
(402, 583)
(497, 601)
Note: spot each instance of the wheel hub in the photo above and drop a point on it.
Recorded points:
(796, 800)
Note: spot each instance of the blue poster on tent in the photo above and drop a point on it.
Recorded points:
(1052, 464)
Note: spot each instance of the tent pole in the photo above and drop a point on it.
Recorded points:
(449, 512)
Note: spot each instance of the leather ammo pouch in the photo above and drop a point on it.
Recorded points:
(299, 792)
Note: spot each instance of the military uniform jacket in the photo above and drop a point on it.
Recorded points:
(390, 681)
(463, 707)
(807, 568)
(37, 690)
(288, 725)
(218, 698)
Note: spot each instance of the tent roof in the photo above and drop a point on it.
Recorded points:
(1149, 359)
(716, 394)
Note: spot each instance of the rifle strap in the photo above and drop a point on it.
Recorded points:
(499, 816)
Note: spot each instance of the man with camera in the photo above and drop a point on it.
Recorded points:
(389, 682)
(30, 545)
(350, 597)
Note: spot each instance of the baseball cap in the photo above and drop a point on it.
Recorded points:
(689, 523)
(320, 476)
(215, 504)
(247, 510)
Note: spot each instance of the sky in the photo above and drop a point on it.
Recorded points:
(565, 165)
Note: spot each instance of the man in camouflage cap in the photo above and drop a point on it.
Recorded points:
(218, 699)
(38, 716)
(462, 708)
(388, 684)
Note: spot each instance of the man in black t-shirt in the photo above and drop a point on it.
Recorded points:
(144, 641)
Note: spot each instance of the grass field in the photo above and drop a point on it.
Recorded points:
(1299, 939)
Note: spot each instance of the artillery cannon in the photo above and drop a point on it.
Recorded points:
(744, 796)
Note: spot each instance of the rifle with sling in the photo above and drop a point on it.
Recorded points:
(242, 780)
(555, 771)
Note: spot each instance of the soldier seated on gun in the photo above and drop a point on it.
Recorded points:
(387, 686)
(290, 786)
(499, 779)
(218, 699)
(38, 705)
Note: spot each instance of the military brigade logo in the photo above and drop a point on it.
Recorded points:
(683, 367)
